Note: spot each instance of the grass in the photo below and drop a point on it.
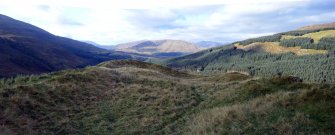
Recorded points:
(267, 108)
(275, 48)
(129, 97)
(316, 36)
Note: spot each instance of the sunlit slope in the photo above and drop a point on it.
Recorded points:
(316, 36)
(275, 48)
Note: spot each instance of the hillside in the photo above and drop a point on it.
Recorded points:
(208, 44)
(159, 47)
(130, 97)
(276, 48)
(26, 49)
(318, 26)
(308, 54)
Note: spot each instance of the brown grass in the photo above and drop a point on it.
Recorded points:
(232, 119)
(129, 97)
(316, 36)
(275, 48)
(318, 26)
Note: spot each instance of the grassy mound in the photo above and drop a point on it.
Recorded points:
(130, 97)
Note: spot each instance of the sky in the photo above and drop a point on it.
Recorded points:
(110, 22)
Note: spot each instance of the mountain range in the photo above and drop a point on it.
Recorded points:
(162, 47)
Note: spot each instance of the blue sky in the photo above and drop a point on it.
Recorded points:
(111, 22)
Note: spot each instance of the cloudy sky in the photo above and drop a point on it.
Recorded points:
(111, 22)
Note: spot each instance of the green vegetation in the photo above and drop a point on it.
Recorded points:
(130, 97)
(311, 68)
(303, 32)
(272, 38)
(316, 36)
(304, 42)
(260, 61)
(326, 43)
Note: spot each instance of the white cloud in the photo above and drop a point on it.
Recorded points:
(323, 17)
(112, 21)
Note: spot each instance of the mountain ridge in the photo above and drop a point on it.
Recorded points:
(208, 44)
(318, 26)
(27, 49)
(158, 46)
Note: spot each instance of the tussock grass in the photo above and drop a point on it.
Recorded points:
(129, 97)
(271, 107)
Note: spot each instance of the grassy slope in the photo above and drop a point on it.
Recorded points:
(318, 26)
(316, 36)
(275, 48)
(128, 97)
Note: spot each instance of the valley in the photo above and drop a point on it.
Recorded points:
(279, 84)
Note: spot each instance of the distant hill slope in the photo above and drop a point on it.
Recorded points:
(108, 47)
(208, 44)
(26, 49)
(308, 54)
(318, 26)
(131, 97)
(158, 47)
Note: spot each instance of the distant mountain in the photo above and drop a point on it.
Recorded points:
(318, 26)
(152, 47)
(208, 44)
(27, 49)
(108, 47)
(92, 43)
(308, 53)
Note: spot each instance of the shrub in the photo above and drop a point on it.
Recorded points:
(272, 38)
(304, 42)
(326, 43)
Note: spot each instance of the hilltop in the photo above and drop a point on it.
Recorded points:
(131, 97)
(318, 26)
